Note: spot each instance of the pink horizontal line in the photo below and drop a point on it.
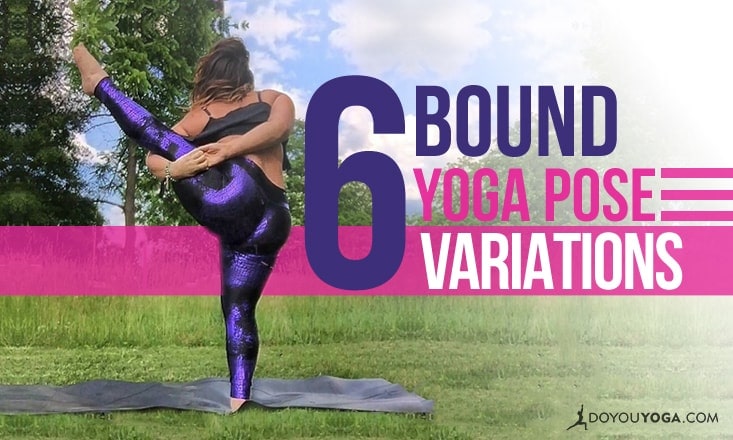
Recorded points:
(697, 194)
(697, 216)
(697, 173)
(180, 260)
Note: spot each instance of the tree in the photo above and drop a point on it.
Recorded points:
(40, 182)
(295, 177)
(150, 49)
(355, 205)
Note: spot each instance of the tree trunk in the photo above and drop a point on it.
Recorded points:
(130, 183)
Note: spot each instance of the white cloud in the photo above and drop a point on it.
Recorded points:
(263, 64)
(287, 52)
(410, 36)
(114, 216)
(277, 30)
(85, 152)
(271, 26)
(275, 23)
(553, 36)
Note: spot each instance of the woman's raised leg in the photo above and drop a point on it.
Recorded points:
(137, 122)
(223, 199)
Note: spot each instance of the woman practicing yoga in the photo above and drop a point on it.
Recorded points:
(232, 185)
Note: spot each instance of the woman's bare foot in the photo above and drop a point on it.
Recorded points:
(236, 403)
(89, 68)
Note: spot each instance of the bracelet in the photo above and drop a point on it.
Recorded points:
(168, 178)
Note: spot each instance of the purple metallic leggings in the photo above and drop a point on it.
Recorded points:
(237, 202)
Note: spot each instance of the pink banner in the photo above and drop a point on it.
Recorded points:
(437, 261)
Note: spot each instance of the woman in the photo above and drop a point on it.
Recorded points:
(233, 187)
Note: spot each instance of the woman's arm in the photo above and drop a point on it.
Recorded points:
(272, 132)
(156, 165)
(192, 124)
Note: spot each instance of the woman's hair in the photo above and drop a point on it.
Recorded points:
(223, 74)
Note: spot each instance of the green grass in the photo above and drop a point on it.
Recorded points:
(496, 367)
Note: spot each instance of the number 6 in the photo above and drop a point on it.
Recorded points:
(324, 179)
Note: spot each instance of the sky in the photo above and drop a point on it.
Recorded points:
(297, 45)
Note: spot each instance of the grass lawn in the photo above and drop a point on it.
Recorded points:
(496, 367)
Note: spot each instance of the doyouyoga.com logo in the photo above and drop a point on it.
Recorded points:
(643, 417)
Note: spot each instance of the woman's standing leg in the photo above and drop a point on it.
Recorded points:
(243, 278)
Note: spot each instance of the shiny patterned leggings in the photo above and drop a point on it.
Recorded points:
(237, 202)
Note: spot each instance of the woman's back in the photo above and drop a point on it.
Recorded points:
(220, 121)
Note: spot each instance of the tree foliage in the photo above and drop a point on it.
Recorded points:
(295, 177)
(40, 179)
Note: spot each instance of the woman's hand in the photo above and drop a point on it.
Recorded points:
(189, 165)
(217, 153)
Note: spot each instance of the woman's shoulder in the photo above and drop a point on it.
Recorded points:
(272, 98)
(269, 95)
(192, 123)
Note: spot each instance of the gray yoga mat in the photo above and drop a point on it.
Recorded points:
(211, 395)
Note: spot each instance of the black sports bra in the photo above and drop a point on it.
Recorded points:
(236, 122)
